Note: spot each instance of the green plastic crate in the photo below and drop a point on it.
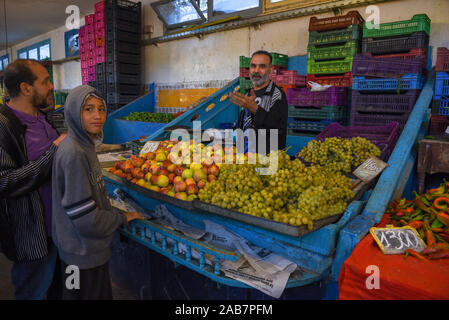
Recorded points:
(330, 67)
(348, 49)
(419, 22)
(244, 62)
(245, 84)
(353, 32)
(279, 59)
(326, 112)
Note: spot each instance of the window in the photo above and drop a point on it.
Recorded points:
(181, 13)
(4, 61)
(37, 51)
(283, 5)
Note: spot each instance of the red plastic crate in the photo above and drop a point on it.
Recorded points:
(278, 70)
(99, 17)
(333, 23)
(101, 51)
(244, 73)
(438, 124)
(99, 25)
(344, 80)
(84, 64)
(101, 59)
(81, 31)
(90, 37)
(92, 69)
(84, 79)
(89, 19)
(91, 62)
(384, 137)
(291, 78)
(99, 6)
(100, 42)
(91, 77)
(84, 72)
(442, 64)
(91, 45)
(412, 54)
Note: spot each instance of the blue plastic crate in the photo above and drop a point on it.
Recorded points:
(441, 85)
(308, 124)
(408, 81)
(441, 107)
(298, 63)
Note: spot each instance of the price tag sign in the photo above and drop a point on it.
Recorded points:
(150, 146)
(397, 240)
(370, 169)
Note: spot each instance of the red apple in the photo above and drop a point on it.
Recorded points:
(190, 181)
(118, 165)
(211, 177)
(191, 189)
(204, 169)
(214, 170)
(180, 186)
(199, 175)
(151, 155)
(172, 167)
(201, 184)
(154, 179)
(179, 171)
(181, 196)
(146, 166)
(154, 169)
(127, 167)
(134, 180)
(163, 172)
(178, 178)
(164, 190)
(129, 176)
(171, 177)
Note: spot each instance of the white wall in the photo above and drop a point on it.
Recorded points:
(215, 57)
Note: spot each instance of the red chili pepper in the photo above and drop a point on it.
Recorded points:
(446, 231)
(437, 201)
(443, 254)
(400, 213)
(416, 254)
(409, 210)
(444, 236)
(437, 230)
(416, 224)
(443, 218)
(430, 238)
(430, 249)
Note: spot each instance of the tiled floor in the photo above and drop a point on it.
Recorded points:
(7, 291)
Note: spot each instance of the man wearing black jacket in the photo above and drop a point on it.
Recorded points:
(27, 147)
(264, 106)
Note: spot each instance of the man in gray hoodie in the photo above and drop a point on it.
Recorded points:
(83, 219)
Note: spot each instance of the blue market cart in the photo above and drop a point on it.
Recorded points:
(164, 273)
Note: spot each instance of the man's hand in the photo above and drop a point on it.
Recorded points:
(130, 216)
(60, 138)
(247, 102)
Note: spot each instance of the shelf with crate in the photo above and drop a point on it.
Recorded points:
(441, 85)
(336, 80)
(330, 67)
(323, 113)
(441, 106)
(301, 124)
(304, 97)
(391, 102)
(377, 119)
(419, 22)
(330, 52)
(442, 63)
(367, 64)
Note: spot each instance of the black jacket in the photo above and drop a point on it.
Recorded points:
(23, 234)
(272, 114)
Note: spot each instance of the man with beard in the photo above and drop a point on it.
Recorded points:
(264, 106)
(27, 147)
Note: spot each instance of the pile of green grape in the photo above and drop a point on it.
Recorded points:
(339, 154)
(293, 193)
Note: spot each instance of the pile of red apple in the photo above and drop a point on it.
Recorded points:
(156, 172)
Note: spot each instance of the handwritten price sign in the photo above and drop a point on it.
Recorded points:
(397, 240)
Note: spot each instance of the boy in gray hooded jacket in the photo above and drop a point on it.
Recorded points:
(83, 219)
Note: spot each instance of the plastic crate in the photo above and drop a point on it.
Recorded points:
(245, 84)
(438, 124)
(406, 82)
(376, 119)
(100, 33)
(330, 67)
(122, 68)
(99, 6)
(114, 97)
(113, 46)
(353, 32)
(323, 24)
(366, 64)
(100, 17)
(326, 112)
(244, 73)
(384, 102)
(129, 58)
(442, 63)
(347, 49)
(308, 124)
(410, 55)
(384, 137)
(89, 20)
(124, 88)
(100, 42)
(113, 25)
(123, 78)
(123, 36)
(100, 69)
(343, 80)
(401, 44)
(419, 22)
(441, 107)
(290, 78)
(123, 10)
(306, 98)
(244, 62)
(441, 85)
(279, 59)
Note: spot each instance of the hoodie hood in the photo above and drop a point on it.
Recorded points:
(72, 115)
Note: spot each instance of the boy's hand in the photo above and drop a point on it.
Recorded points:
(130, 216)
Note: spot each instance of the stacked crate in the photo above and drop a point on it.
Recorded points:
(100, 48)
(332, 44)
(390, 73)
(87, 50)
(123, 23)
(440, 107)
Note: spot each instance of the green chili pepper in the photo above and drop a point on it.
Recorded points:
(437, 224)
(424, 200)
